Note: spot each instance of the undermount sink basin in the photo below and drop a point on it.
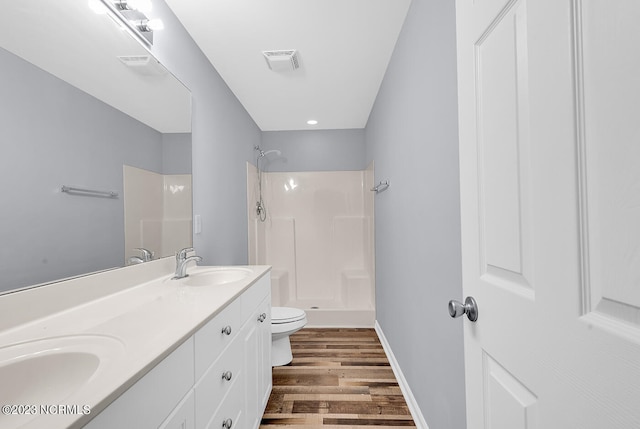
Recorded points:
(216, 276)
(52, 370)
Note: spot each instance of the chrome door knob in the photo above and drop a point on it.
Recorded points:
(227, 424)
(470, 308)
(226, 330)
(227, 375)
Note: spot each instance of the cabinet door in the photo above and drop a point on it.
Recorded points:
(252, 362)
(257, 364)
(151, 399)
(183, 417)
(264, 370)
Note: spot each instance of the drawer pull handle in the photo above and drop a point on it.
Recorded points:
(227, 424)
(226, 330)
(227, 375)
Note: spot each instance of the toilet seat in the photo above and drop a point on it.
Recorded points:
(280, 315)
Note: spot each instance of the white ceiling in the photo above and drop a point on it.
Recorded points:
(344, 47)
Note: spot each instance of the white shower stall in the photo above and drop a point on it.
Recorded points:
(157, 212)
(318, 235)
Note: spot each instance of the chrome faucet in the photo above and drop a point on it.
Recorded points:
(147, 255)
(181, 262)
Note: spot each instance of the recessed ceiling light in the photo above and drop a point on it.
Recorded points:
(312, 122)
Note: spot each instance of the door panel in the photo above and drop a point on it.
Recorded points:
(503, 148)
(550, 211)
(508, 403)
(609, 94)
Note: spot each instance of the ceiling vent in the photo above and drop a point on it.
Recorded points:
(282, 60)
(143, 64)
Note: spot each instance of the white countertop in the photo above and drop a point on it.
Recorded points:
(146, 321)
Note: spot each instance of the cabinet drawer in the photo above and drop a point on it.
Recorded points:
(253, 296)
(232, 408)
(211, 389)
(216, 335)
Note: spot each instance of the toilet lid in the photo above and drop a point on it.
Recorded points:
(286, 314)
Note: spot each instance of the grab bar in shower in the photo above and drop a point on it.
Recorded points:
(89, 192)
(382, 186)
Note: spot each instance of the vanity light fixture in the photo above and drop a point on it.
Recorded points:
(143, 6)
(132, 15)
(312, 122)
(148, 25)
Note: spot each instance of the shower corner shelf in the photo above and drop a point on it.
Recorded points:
(380, 187)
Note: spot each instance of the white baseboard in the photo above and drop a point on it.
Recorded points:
(418, 418)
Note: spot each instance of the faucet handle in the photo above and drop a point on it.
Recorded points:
(147, 255)
(182, 254)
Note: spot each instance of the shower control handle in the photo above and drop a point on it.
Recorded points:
(226, 330)
(470, 308)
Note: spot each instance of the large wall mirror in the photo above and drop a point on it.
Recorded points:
(84, 105)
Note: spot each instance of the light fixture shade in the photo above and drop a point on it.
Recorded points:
(155, 24)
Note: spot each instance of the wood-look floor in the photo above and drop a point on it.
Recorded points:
(339, 378)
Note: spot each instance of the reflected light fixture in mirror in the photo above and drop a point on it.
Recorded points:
(133, 15)
(143, 6)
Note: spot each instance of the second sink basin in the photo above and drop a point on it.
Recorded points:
(51, 370)
(216, 276)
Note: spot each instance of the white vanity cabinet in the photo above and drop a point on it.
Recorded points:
(150, 401)
(218, 378)
(226, 394)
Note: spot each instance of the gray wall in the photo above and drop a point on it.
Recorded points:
(223, 137)
(314, 150)
(412, 136)
(176, 153)
(53, 134)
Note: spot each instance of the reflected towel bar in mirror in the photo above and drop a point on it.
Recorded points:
(89, 192)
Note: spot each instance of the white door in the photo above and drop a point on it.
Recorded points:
(549, 110)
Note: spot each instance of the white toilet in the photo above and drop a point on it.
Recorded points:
(284, 322)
